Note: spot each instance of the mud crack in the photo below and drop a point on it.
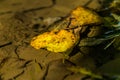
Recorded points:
(6, 44)
(32, 9)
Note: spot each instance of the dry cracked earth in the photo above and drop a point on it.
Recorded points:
(20, 21)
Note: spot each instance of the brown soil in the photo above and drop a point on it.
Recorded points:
(20, 21)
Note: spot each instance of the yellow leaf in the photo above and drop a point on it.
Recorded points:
(83, 16)
(55, 41)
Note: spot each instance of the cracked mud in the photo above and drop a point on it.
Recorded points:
(18, 25)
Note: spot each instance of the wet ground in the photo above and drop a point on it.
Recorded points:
(20, 21)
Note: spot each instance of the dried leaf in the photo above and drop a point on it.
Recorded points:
(55, 41)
